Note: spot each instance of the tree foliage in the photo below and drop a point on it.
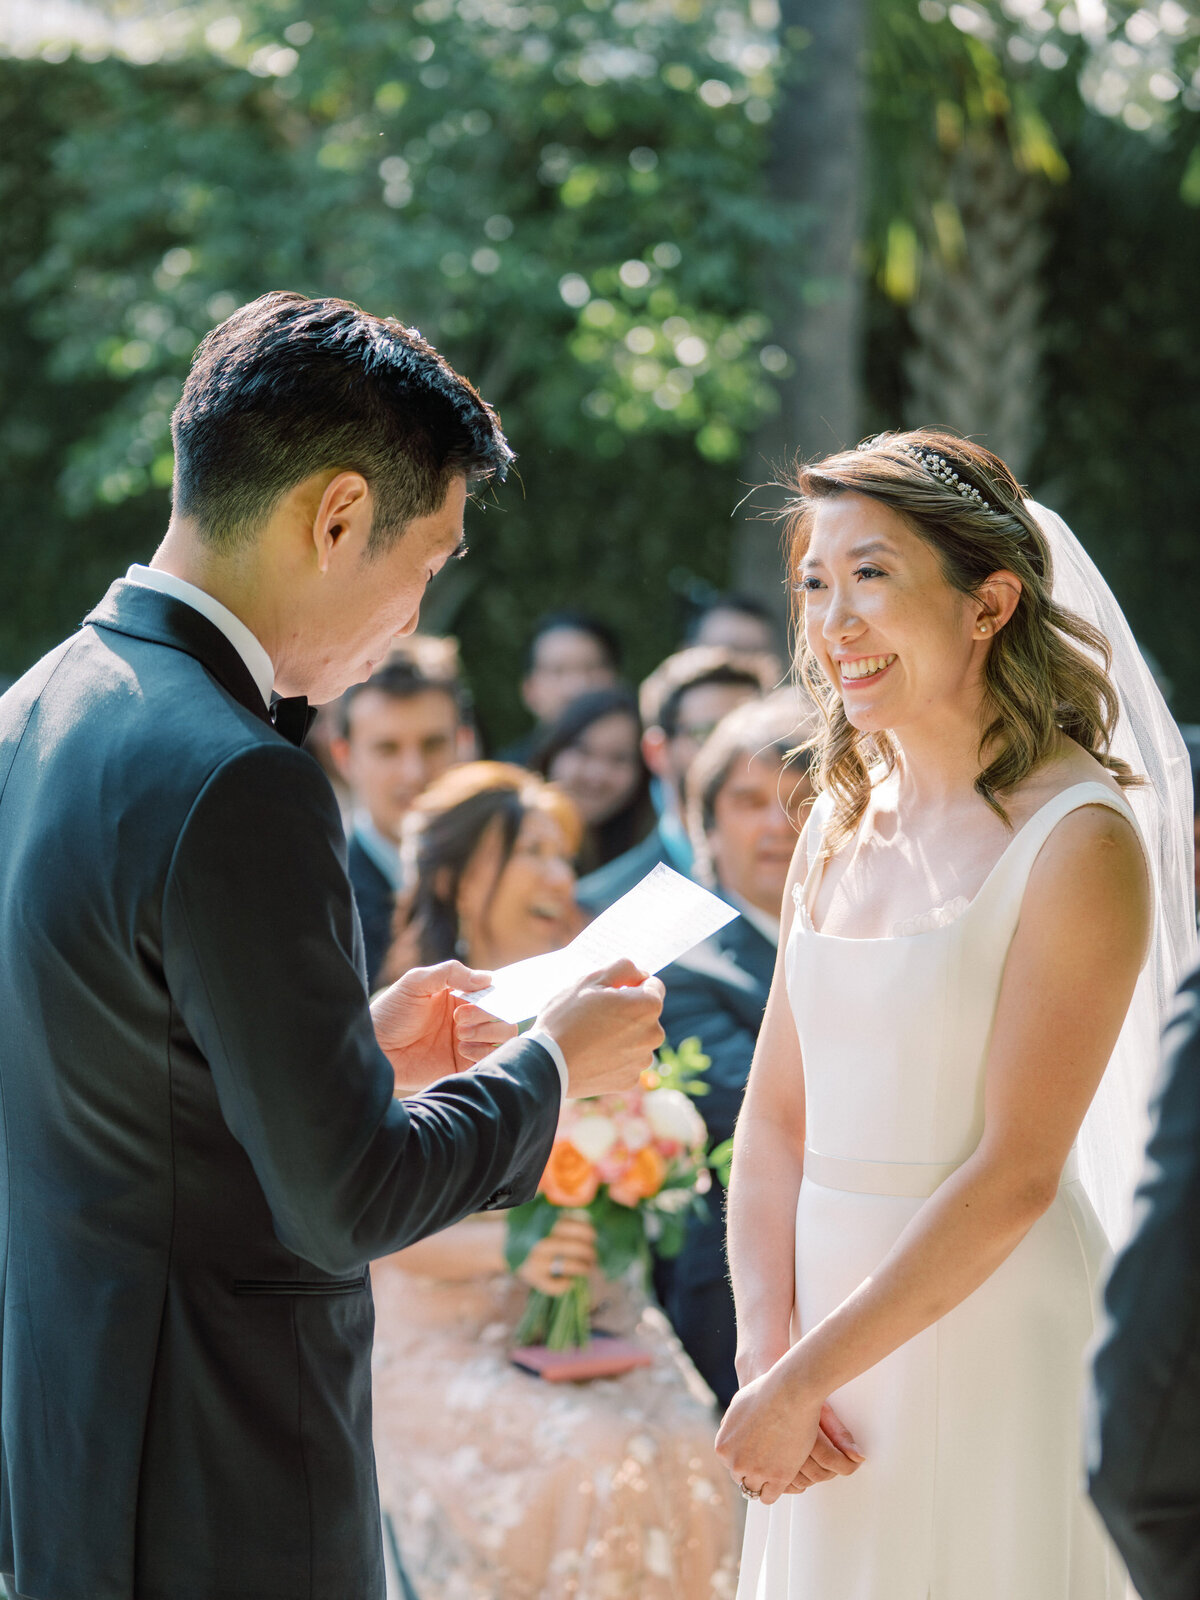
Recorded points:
(569, 203)
(1098, 108)
(570, 200)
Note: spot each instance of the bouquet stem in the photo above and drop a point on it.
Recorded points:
(560, 1322)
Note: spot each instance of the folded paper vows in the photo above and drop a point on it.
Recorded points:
(659, 920)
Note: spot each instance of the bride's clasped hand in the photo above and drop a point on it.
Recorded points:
(779, 1436)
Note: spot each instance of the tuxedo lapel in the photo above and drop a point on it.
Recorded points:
(144, 613)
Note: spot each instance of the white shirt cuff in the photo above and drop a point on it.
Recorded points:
(540, 1036)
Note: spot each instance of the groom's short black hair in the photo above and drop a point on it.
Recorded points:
(288, 386)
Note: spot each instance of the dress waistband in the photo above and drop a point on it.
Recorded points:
(910, 1180)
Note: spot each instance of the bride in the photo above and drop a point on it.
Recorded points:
(914, 1251)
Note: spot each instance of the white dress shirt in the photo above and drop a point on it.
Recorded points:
(554, 1050)
(258, 662)
(260, 668)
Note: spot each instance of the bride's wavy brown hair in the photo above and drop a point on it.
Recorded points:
(1040, 678)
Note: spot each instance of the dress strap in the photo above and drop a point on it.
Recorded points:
(1016, 863)
(818, 821)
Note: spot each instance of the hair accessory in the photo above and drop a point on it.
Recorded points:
(938, 467)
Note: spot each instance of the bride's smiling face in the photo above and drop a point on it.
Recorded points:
(895, 638)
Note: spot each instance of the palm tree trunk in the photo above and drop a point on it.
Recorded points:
(813, 296)
(975, 366)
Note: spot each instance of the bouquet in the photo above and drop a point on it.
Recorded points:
(635, 1166)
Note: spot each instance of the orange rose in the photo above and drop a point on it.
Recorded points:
(642, 1178)
(570, 1178)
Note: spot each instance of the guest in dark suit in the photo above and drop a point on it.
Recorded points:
(1144, 1438)
(746, 806)
(398, 732)
(681, 703)
(201, 1146)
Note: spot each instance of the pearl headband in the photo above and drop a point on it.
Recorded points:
(938, 467)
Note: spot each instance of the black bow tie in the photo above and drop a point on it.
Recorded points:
(292, 717)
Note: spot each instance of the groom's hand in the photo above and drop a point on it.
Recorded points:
(607, 1028)
(427, 1031)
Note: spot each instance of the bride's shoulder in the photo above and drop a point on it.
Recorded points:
(1093, 844)
(1070, 767)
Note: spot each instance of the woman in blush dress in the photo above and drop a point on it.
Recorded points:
(914, 1255)
(501, 1486)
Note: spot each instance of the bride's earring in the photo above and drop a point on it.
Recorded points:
(984, 629)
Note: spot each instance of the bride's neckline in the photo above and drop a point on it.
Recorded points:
(951, 912)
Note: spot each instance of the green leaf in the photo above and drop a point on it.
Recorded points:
(527, 1225)
(620, 1236)
(683, 1067)
(720, 1159)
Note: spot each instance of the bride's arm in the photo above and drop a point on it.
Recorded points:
(1067, 984)
(768, 1158)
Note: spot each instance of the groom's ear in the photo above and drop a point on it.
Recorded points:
(342, 521)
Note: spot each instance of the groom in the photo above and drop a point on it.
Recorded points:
(201, 1149)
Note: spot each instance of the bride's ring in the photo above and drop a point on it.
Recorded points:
(556, 1267)
(749, 1494)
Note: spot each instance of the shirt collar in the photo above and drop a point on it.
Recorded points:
(258, 662)
(384, 852)
(766, 924)
(676, 844)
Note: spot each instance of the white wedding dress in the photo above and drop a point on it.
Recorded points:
(971, 1489)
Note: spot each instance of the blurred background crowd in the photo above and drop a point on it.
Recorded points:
(673, 241)
(454, 852)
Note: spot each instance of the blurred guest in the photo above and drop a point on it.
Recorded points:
(500, 1484)
(736, 622)
(324, 733)
(569, 653)
(746, 805)
(1145, 1406)
(681, 702)
(593, 752)
(398, 731)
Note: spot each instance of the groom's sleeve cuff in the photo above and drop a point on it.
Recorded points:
(554, 1050)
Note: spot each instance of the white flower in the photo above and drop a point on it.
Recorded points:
(673, 1116)
(593, 1136)
(636, 1132)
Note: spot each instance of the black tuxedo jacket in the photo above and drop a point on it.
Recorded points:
(376, 902)
(718, 992)
(1145, 1403)
(201, 1150)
